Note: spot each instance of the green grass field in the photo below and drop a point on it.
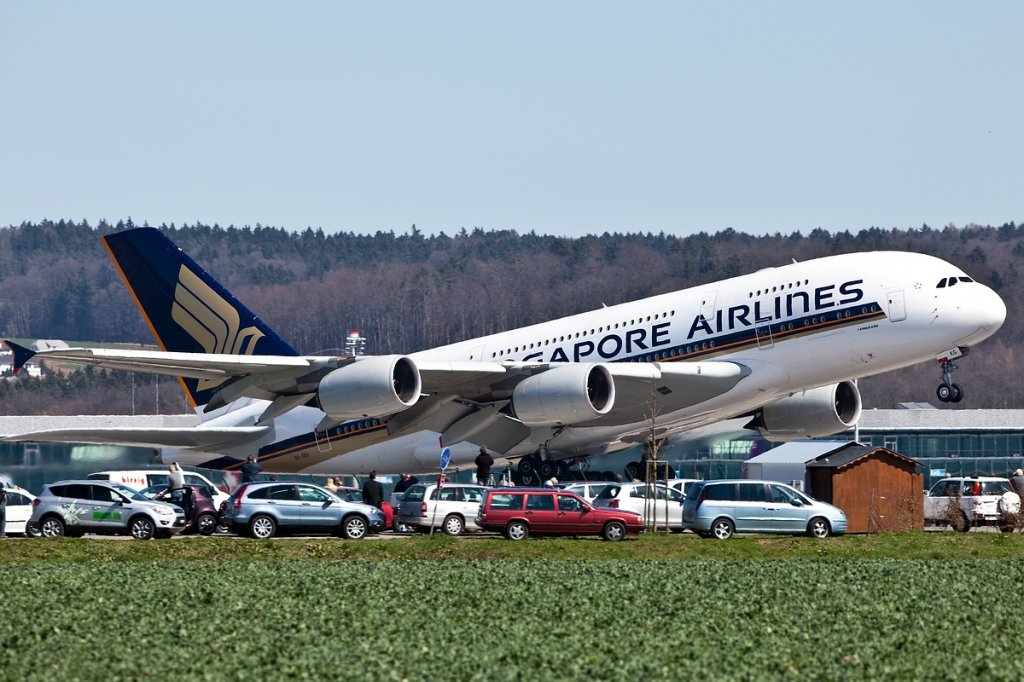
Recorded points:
(902, 606)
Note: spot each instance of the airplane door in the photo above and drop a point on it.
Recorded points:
(763, 331)
(707, 305)
(477, 353)
(897, 306)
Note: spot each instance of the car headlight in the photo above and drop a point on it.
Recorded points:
(163, 511)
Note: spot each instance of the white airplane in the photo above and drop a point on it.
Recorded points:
(781, 346)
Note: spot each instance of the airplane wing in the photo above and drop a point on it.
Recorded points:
(195, 365)
(461, 400)
(176, 437)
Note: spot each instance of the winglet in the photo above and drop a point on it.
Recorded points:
(21, 354)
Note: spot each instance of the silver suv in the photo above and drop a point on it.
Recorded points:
(963, 502)
(73, 508)
(453, 508)
(262, 510)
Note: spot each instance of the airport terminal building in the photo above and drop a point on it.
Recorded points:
(955, 441)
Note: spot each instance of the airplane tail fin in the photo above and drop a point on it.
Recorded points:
(187, 310)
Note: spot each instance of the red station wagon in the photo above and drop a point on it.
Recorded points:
(521, 512)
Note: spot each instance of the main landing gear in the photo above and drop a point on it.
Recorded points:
(537, 465)
(948, 391)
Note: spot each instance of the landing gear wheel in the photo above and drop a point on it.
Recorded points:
(547, 469)
(634, 471)
(944, 393)
(527, 465)
(958, 394)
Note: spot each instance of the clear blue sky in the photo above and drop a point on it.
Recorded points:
(561, 117)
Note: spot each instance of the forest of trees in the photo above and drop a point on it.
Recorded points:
(408, 291)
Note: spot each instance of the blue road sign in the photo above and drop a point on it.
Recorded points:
(446, 457)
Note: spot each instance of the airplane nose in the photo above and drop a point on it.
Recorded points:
(991, 310)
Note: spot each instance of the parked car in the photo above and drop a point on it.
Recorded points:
(680, 484)
(201, 515)
(19, 510)
(969, 501)
(145, 478)
(667, 507)
(263, 509)
(73, 508)
(720, 508)
(453, 507)
(521, 512)
(588, 490)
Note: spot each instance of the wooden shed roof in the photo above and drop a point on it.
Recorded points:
(852, 452)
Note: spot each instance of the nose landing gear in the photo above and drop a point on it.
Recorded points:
(948, 391)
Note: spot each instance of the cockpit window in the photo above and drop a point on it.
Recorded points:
(950, 281)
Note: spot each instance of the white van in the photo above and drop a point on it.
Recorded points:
(144, 478)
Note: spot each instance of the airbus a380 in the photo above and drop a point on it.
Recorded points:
(782, 346)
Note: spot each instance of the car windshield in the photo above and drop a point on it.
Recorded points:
(130, 493)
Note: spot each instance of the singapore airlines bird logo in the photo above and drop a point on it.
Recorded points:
(210, 320)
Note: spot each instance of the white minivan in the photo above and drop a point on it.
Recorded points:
(141, 479)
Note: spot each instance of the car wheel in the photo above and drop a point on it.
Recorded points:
(723, 528)
(353, 527)
(613, 531)
(819, 528)
(206, 524)
(960, 523)
(453, 525)
(52, 527)
(141, 528)
(32, 530)
(517, 530)
(262, 527)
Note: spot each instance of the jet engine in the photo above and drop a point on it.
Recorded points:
(570, 394)
(813, 413)
(370, 387)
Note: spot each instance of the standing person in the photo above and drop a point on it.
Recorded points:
(484, 461)
(331, 485)
(373, 491)
(3, 511)
(250, 470)
(405, 480)
(1017, 482)
(176, 481)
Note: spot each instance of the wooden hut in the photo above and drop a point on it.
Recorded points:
(878, 489)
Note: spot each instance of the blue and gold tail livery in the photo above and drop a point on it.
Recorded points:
(187, 309)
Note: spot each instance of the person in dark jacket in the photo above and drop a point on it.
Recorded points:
(484, 461)
(373, 491)
(250, 470)
(405, 480)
